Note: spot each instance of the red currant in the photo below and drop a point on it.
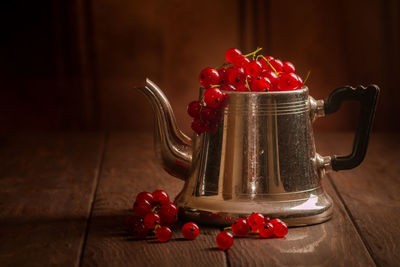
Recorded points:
(227, 87)
(224, 240)
(277, 64)
(232, 54)
(151, 220)
(163, 234)
(266, 230)
(208, 114)
(213, 97)
(168, 210)
(242, 62)
(255, 220)
(160, 196)
(223, 76)
(288, 81)
(260, 84)
(213, 127)
(254, 68)
(242, 87)
(199, 126)
(208, 77)
(136, 227)
(288, 67)
(194, 109)
(280, 228)
(190, 230)
(141, 208)
(264, 63)
(240, 227)
(144, 196)
(236, 75)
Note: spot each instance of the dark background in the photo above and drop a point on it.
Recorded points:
(73, 65)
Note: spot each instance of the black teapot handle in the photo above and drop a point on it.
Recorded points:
(368, 98)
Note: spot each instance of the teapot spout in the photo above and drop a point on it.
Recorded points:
(173, 148)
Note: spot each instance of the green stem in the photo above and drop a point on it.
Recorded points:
(247, 85)
(307, 76)
(254, 52)
(215, 85)
(269, 64)
(228, 228)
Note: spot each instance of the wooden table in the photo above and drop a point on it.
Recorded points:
(64, 198)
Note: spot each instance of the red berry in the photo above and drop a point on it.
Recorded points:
(208, 77)
(280, 228)
(144, 196)
(277, 64)
(265, 64)
(232, 54)
(227, 87)
(288, 67)
(190, 230)
(255, 221)
(194, 109)
(141, 208)
(260, 84)
(223, 76)
(136, 227)
(288, 81)
(168, 210)
(266, 230)
(242, 87)
(242, 62)
(236, 75)
(208, 114)
(199, 126)
(163, 234)
(273, 78)
(254, 68)
(224, 240)
(160, 196)
(240, 227)
(151, 220)
(213, 97)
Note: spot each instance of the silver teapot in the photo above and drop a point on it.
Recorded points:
(262, 157)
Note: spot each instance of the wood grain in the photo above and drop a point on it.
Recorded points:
(130, 167)
(334, 243)
(371, 192)
(47, 184)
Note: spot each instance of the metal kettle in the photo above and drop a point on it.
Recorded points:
(262, 157)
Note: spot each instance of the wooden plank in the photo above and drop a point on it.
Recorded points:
(371, 192)
(47, 184)
(129, 167)
(333, 243)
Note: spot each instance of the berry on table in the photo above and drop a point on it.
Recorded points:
(224, 240)
(190, 230)
(194, 108)
(213, 97)
(136, 227)
(240, 227)
(141, 208)
(168, 212)
(151, 220)
(163, 233)
(144, 196)
(255, 221)
(208, 77)
(160, 196)
(266, 230)
(280, 228)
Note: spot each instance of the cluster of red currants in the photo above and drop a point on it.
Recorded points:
(259, 74)
(154, 213)
(255, 223)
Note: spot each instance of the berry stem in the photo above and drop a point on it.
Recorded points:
(247, 85)
(228, 228)
(254, 52)
(307, 76)
(215, 85)
(269, 64)
(155, 208)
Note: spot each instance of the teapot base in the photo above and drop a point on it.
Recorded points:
(316, 208)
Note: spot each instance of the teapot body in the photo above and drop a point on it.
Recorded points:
(261, 159)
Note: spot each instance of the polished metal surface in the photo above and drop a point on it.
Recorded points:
(173, 148)
(262, 159)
